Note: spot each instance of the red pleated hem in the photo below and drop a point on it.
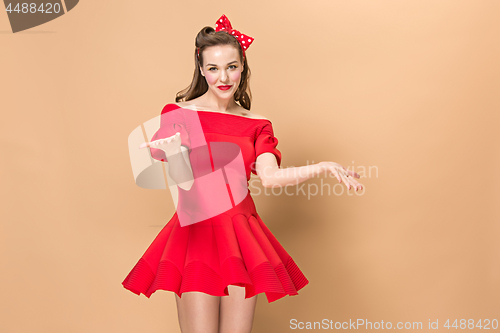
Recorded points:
(275, 282)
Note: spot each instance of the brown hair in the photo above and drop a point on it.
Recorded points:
(209, 37)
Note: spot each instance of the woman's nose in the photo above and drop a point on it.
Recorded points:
(223, 76)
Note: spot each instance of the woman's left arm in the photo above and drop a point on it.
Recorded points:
(271, 175)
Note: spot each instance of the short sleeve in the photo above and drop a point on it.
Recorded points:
(266, 142)
(171, 122)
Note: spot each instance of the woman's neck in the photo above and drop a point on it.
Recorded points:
(216, 104)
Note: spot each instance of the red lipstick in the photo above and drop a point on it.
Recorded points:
(224, 87)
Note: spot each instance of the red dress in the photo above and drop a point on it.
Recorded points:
(234, 247)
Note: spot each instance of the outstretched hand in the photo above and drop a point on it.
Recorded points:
(170, 145)
(342, 174)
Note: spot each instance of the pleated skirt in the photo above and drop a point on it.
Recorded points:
(233, 248)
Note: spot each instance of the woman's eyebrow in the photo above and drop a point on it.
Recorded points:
(227, 63)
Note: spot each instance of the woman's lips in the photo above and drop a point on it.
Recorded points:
(224, 87)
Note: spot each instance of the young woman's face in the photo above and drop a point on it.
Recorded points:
(222, 67)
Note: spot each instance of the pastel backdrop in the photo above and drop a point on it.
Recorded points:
(406, 92)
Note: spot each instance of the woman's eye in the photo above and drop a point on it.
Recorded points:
(234, 66)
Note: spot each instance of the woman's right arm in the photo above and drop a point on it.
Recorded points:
(179, 167)
(177, 156)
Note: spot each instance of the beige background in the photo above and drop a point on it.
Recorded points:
(411, 88)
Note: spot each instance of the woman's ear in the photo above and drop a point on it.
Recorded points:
(201, 71)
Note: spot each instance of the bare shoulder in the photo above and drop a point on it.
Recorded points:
(182, 104)
(244, 112)
(255, 116)
(189, 104)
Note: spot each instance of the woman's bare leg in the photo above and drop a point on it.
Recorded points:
(198, 312)
(236, 312)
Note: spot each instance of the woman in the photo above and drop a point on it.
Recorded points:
(219, 263)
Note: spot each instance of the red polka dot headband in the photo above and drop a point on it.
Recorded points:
(224, 24)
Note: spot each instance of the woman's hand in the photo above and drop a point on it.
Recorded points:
(341, 173)
(170, 145)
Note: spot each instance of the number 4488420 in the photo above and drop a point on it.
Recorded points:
(485, 324)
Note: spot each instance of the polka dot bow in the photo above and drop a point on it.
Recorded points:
(224, 24)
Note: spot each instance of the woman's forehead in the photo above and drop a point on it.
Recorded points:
(221, 51)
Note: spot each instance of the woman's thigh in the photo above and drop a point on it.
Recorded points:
(236, 312)
(198, 312)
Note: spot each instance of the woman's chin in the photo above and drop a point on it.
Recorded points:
(224, 94)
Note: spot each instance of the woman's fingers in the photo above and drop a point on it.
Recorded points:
(160, 141)
(338, 170)
(352, 173)
(355, 183)
(358, 185)
(346, 179)
(335, 172)
(352, 182)
(346, 175)
(349, 175)
(349, 172)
